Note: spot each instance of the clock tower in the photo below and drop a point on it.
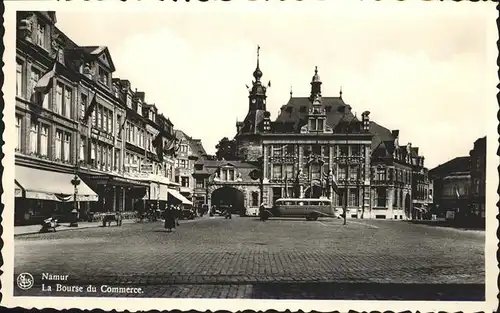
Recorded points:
(257, 118)
(257, 96)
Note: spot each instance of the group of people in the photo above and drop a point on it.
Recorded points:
(171, 215)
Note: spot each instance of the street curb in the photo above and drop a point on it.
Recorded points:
(67, 228)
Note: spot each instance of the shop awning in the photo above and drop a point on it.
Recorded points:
(47, 185)
(163, 192)
(178, 196)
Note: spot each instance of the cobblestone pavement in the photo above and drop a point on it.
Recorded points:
(245, 258)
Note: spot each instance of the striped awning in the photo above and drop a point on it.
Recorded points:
(32, 183)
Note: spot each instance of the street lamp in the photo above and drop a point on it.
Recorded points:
(75, 182)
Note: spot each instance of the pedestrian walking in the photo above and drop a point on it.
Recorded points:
(177, 214)
(169, 219)
(262, 212)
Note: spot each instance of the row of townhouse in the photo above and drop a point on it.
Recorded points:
(84, 140)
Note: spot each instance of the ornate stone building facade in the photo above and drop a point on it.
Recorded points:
(318, 147)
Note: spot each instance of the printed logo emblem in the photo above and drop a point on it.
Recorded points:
(25, 281)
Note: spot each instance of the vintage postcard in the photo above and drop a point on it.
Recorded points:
(250, 155)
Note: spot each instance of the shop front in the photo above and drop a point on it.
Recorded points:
(176, 198)
(116, 193)
(41, 193)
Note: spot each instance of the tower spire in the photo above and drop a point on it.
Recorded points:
(291, 92)
(340, 92)
(257, 73)
(315, 85)
(258, 54)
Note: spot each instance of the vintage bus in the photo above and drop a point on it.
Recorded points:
(311, 209)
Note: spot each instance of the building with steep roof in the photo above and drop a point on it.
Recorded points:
(317, 143)
(76, 124)
(190, 150)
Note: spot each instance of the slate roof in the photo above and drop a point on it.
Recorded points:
(254, 117)
(458, 164)
(195, 144)
(380, 134)
(211, 166)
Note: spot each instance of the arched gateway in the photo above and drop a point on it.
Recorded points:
(229, 197)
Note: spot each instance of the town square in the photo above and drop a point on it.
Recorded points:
(155, 162)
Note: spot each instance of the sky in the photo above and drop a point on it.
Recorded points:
(427, 69)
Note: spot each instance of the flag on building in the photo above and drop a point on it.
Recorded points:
(158, 144)
(335, 185)
(44, 84)
(90, 108)
(122, 126)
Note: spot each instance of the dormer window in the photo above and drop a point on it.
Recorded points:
(103, 76)
(303, 109)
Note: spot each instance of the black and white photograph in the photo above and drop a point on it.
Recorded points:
(251, 153)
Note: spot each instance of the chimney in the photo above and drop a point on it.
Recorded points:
(365, 118)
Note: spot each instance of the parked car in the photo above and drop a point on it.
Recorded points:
(188, 213)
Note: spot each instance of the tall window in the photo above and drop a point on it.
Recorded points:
(343, 150)
(18, 133)
(99, 117)
(277, 171)
(94, 117)
(381, 174)
(82, 148)
(103, 76)
(34, 78)
(342, 172)
(381, 197)
(44, 140)
(353, 172)
(110, 158)
(104, 125)
(320, 124)
(200, 183)
(58, 145)
(19, 78)
(185, 181)
(118, 125)
(59, 99)
(117, 160)
(83, 105)
(92, 153)
(353, 197)
(67, 141)
(68, 95)
(277, 150)
(316, 149)
(98, 155)
(313, 124)
(289, 171)
(110, 121)
(355, 150)
(34, 130)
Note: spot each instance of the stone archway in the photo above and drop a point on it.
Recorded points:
(229, 197)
